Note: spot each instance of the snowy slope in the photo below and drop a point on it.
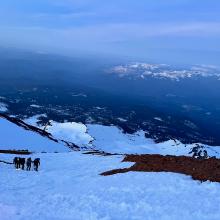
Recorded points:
(13, 137)
(68, 187)
(111, 139)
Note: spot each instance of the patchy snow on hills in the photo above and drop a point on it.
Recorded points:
(3, 107)
(68, 186)
(35, 106)
(162, 71)
(35, 119)
(13, 137)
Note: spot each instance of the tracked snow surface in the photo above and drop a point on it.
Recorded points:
(69, 187)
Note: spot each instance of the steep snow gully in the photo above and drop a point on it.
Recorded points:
(68, 185)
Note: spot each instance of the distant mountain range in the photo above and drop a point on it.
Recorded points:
(163, 71)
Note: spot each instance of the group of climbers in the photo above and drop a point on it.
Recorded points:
(200, 154)
(20, 162)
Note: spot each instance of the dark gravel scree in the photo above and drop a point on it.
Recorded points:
(198, 169)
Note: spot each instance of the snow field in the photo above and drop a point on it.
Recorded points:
(69, 187)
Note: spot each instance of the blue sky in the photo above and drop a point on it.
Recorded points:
(178, 31)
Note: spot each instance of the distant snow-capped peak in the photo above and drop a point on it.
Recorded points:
(163, 71)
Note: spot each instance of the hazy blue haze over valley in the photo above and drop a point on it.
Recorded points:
(177, 31)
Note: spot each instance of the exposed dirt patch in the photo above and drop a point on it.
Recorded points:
(198, 169)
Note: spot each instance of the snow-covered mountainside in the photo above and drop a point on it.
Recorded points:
(68, 186)
(111, 139)
(163, 71)
(62, 137)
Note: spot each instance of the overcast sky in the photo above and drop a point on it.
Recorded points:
(185, 31)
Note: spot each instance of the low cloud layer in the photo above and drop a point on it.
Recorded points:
(116, 27)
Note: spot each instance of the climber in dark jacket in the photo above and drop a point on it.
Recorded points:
(200, 155)
(16, 162)
(205, 154)
(195, 154)
(28, 163)
(19, 162)
(22, 162)
(36, 164)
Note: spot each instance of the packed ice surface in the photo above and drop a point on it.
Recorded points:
(13, 137)
(68, 187)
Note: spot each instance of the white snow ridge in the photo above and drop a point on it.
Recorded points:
(70, 131)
